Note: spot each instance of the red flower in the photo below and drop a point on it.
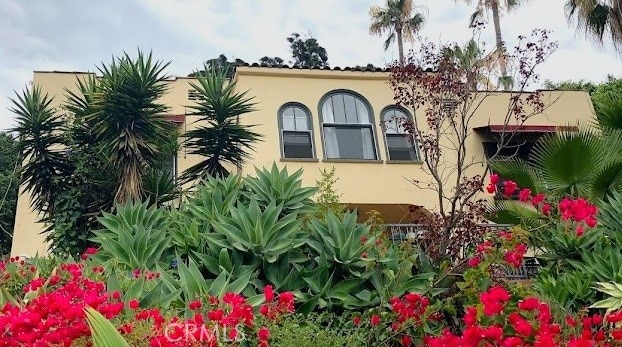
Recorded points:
(473, 262)
(406, 341)
(529, 304)
(134, 304)
(494, 179)
(537, 199)
(195, 304)
(215, 315)
(268, 293)
(524, 195)
(546, 209)
(491, 188)
(509, 187)
(356, 320)
(263, 334)
(375, 320)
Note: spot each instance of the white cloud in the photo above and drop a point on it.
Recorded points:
(65, 34)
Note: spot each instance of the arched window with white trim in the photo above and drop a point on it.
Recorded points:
(347, 127)
(296, 131)
(399, 142)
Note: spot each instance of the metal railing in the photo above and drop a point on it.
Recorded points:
(411, 232)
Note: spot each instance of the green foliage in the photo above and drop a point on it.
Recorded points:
(260, 233)
(584, 85)
(310, 330)
(614, 301)
(103, 149)
(279, 187)
(571, 290)
(220, 138)
(104, 333)
(307, 52)
(327, 195)
(9, 182)
(135, 237)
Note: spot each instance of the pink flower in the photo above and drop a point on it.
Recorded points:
(494, 179)
(263, 334)
(509, 187)
(524, 195)
(133, 304)
(473, 262)
(268, 293)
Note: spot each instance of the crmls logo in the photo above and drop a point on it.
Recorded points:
(187, 332)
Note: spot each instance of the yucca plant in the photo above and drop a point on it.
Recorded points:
(128, 123)
(42, 144)
(104, 333)
(219, 137)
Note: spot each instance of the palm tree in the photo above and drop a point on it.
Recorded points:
(597, 17)
(471, 60)
(495, 7)
(398, 20)
(219, 138)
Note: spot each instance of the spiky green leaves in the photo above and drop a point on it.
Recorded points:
(219, 138)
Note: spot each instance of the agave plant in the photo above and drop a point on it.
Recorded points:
(135, 237)
(280, 187)
(219, 137)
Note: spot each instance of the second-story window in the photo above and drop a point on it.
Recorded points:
(347, 125)
(296, 131)
(400, 144)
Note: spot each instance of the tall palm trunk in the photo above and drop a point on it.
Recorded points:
(400, 44)
(500, 49)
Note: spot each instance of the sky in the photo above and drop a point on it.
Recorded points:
(75, 35)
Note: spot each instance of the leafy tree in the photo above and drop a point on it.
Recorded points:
(495, 7)
(221, 62)
(571, 85)
(220, 138)
(597, 19)
(450, 104)
(396, 19)
(272, 61)
(9, 180)
(307, 52)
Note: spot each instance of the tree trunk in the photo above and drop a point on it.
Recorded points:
(500, 48)
(400, 44)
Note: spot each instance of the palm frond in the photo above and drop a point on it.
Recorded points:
(519, 171)
(568, 161)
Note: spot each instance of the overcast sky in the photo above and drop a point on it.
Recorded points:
(77, 35)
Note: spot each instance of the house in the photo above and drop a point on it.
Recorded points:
(314, 119)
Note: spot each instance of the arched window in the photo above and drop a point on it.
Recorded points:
(347, 126)
(296, 131)
(399, 141)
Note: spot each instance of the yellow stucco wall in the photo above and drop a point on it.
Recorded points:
(377, 182)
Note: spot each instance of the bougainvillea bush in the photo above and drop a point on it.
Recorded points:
(43, 302)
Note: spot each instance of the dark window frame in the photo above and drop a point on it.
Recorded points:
(371, 125)
(384, 133)
(308, 131)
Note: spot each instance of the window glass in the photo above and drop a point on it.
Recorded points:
(296, 134)
(347, 129)
(399, 142)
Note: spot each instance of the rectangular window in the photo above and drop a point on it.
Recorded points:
(297, 144)
(400, 147)
(343, 142)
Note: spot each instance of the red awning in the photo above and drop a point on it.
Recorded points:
(175, 118)
(525, 128)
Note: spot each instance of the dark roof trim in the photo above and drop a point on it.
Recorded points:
(175, 118)
(525, 128)
(326, 68)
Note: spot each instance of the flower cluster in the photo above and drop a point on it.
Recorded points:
(578, 211)
(499, 320)
(272, 309)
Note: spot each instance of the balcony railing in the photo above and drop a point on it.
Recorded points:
(411, 232)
